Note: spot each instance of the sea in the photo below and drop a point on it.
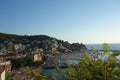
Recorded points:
(99, 46)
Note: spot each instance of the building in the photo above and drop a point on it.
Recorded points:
(2, 74)
(54, 49)
(37, 57)
(5, 65)
(2, 47)
(15, 55)
(10, 46)
(4, 57)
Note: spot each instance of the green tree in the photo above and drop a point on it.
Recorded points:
(88, 69)
(105, 47)
(38, 76)
(8, 77)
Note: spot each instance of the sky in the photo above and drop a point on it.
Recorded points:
(86, 21)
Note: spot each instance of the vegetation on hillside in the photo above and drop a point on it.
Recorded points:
(40, 41)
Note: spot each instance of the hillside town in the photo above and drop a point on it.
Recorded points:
(18, 54)
(21, 55)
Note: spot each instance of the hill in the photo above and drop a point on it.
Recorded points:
(24, 42)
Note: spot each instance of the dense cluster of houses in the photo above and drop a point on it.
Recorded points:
(10, 50)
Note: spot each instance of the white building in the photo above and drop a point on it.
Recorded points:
(18, 46)
(2, 75)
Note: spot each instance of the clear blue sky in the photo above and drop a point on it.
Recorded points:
(87, 21)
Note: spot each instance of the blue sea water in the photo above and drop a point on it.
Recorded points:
(99, 46)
